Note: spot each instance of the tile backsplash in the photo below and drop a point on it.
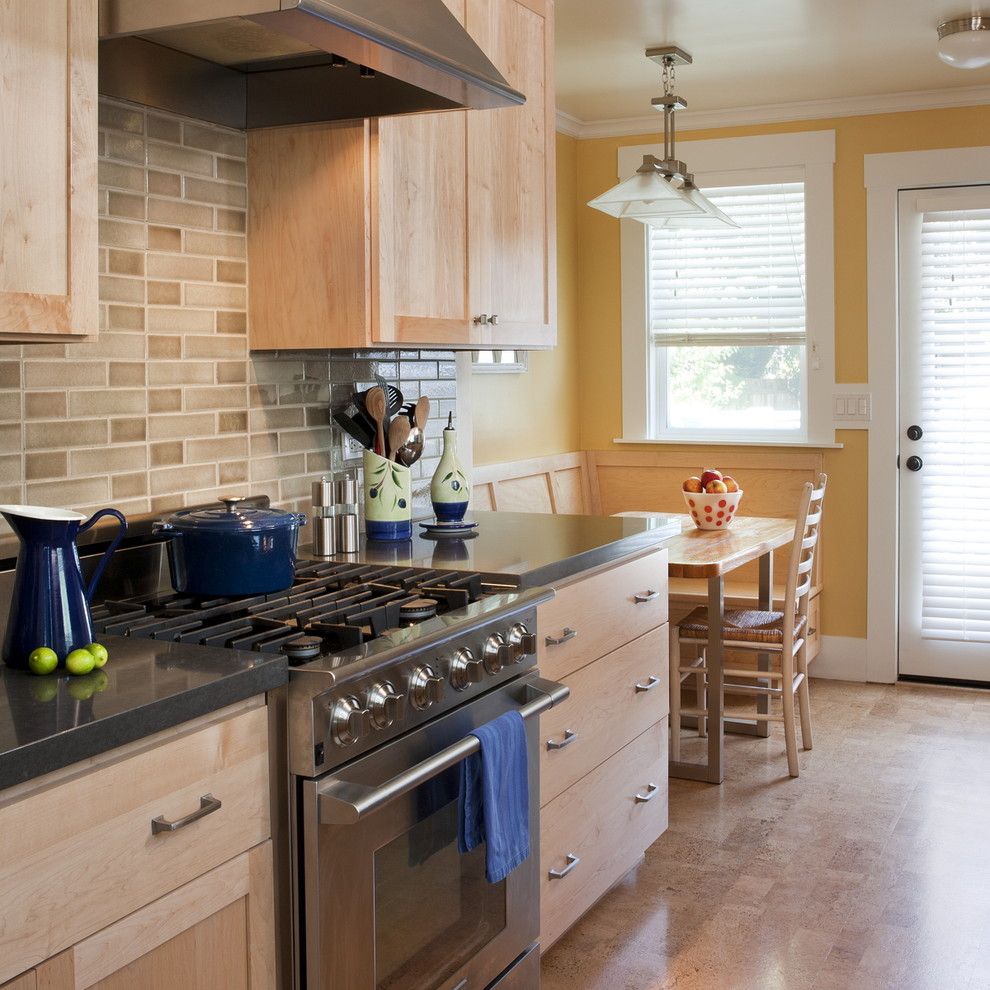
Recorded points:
(167, 407)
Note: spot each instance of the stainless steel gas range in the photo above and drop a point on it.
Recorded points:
(392, 668)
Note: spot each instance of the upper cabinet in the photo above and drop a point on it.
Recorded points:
(48, 169)
(431, 229)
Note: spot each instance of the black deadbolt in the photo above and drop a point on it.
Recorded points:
(915, 432)
(914, 463)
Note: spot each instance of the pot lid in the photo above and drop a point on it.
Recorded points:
(233, 517)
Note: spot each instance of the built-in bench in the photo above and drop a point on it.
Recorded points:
(603, 482)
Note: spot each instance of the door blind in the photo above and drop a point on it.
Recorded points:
(955, 413)
(729, 286)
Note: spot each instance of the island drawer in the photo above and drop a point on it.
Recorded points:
(598, 613)
(80, 854)
(613, 700)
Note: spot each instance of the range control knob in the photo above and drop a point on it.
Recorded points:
(385, 705)
(522, 641)
(425, 687)
(465, 670)
(348, 721)
(497, 653)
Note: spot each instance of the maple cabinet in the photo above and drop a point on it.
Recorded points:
(427, 229)
(48, 170)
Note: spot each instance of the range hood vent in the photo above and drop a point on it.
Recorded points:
(265, 63)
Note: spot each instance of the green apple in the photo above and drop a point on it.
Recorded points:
(100, 654)
(42, 661)
(80, 662)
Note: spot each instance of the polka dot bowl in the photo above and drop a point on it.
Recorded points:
(712, 511)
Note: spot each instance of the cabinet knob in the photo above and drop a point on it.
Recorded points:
(480, 321)
(493, 320)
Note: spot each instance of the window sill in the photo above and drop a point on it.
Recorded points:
(822, 445)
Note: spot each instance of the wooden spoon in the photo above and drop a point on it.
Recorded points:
(375, 402)
(398, 434)
(422, 413)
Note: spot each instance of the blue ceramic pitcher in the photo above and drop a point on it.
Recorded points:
(50, 603)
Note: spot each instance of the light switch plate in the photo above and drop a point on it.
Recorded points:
(852, 407)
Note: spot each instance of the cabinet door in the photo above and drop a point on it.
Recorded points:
(48, 162)
(217, 931)
(511, 178)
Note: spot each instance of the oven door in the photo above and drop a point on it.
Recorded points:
(388, 901)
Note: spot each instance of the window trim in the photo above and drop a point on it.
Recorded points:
(807, 156)
(517, 367)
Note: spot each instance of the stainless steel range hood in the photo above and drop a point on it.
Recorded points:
(263, 63)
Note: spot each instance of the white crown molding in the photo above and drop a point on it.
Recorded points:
(857, 106)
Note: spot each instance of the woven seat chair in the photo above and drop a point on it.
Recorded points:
(779, 634)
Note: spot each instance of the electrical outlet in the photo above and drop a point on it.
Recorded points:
(350, 448)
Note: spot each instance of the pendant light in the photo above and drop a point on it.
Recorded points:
(662, 193)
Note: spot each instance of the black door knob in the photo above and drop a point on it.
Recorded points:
(914, 463)
(915, 432)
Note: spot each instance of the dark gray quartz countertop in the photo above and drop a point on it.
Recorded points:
(533, 548)
(49, 722)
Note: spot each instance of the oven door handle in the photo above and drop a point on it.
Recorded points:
(344, 802)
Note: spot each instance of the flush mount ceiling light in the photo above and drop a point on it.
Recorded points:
(965, 41)
(662, 193)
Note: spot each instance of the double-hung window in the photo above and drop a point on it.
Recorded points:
(727, 331)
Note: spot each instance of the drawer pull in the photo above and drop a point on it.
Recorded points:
(812, 631)
(207, 805)
(572, 861)
(651, 793)
(648, 597)
(569, 736)
(651, 682)
(569, 634)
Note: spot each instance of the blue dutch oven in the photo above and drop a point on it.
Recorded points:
(231, 550)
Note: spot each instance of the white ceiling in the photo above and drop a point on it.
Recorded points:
(752, 53)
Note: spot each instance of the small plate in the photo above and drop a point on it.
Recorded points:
(448, 528)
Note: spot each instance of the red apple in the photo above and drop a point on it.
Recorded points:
(716, 487)
(710, 474)
(730, 483)
(693, 484)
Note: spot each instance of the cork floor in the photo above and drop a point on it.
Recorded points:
(872, 869)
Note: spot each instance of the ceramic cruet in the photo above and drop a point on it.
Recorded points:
(450, 489)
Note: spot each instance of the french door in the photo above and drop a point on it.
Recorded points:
(944, 424)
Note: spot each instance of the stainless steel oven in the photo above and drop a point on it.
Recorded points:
(388, 902)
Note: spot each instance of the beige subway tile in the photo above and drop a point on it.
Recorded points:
(166, 454)
(164, 239)
(122, 234)
(220, 140)
(129, 485)
(164, 128)
(164, 400)
(49, 350)
(125, 263)
(224, 245)
(217, 193)
(181, 427)
(120, 346)
(234, 221)
(318, 462)
(164, 293)
(232, 271)
(121, 176)
(125, 147)
(45, 405)
(58, 434)
(109, 460)
(295, 440)
(126, 318)
(164, 183)
(121, 290)
(231, 322)
(10, 470)
(10, 374)
(231, 372)
(269, 488)
(161, 346)
(217, 397)
(264, 444)
(272, 468)
(121, 117)
(182, 479)
(216, 449)
(162, 155)
(69, 494)
(180, 373)
(216, 296)
(48, 374)
(48, 465)
(128, 430)
(213, 346)
(277, 418)
(231, 170)
(126, 205)
(298, 487)
(108, 402)
(10, 405)
(232, 422)
(127, 374)
(176, 213)
(179, 266)
(11, 352)
(233, 472)
(180, 320)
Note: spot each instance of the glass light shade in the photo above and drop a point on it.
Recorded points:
(710, 215)
(965, 43)
(645, 197)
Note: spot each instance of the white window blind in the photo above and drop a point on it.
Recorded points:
(724, 286)
(955, 402)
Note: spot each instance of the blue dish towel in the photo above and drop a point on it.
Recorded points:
(493, 802)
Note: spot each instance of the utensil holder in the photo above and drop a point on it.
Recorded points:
(387, 499)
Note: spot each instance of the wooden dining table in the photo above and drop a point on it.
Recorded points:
(713, 554)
